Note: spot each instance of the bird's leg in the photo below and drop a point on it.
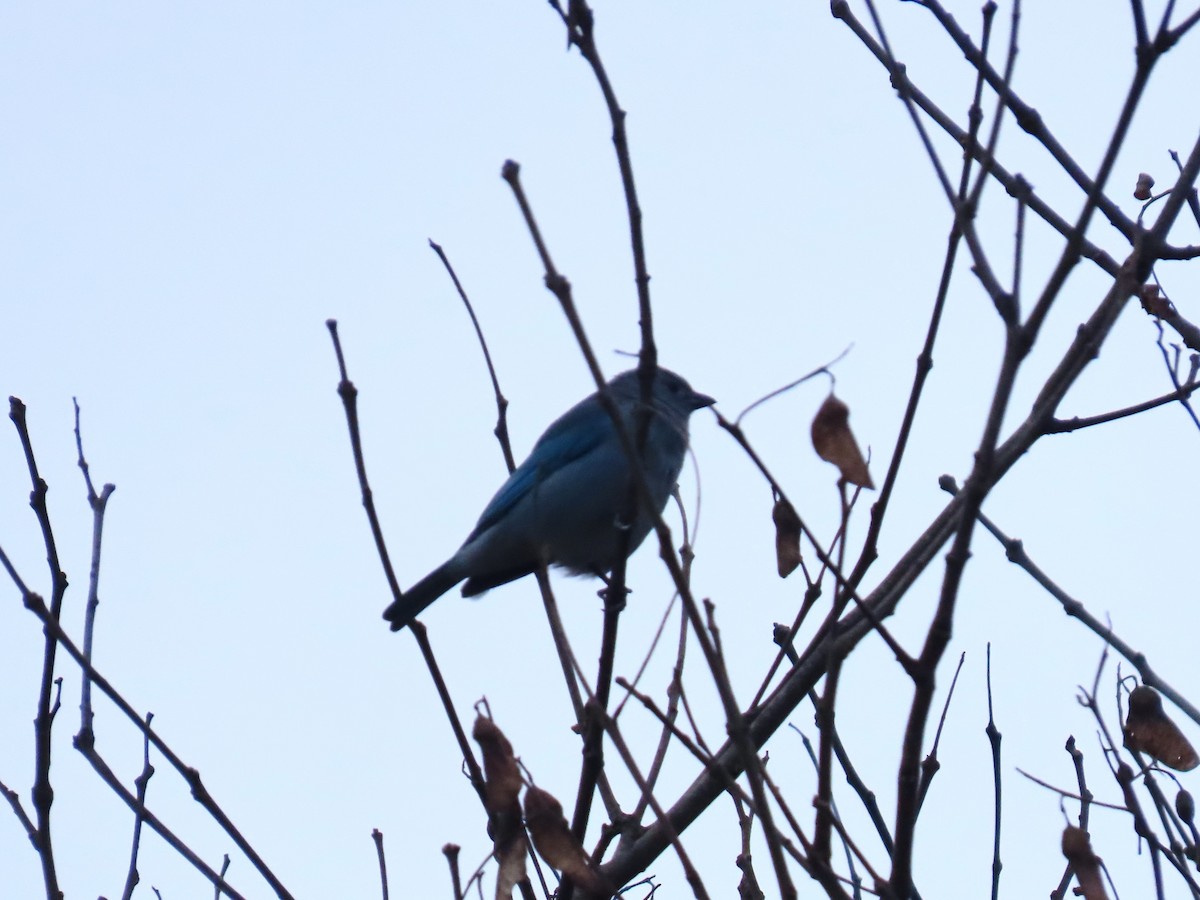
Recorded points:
(618, 603)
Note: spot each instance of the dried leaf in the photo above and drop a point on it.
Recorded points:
(1149, 730)
(787, 537)
(1154, 302)
(1077, 848)
(502, 788)
(510, 855)
(500, 771)
(1144, 184)
(834, 442)
(1185, 806)
(553, 839)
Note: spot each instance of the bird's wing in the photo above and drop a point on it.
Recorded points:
(573, 435)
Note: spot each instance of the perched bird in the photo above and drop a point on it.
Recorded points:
(565, 504)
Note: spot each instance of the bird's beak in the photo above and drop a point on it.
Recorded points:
(699, 401)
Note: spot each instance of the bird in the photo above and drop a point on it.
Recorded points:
(564, 505)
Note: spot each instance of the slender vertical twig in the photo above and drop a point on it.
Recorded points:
(98, 503)
(994, 738)
(220, 885)
(377, 837)
(43, 723)
(349, 394)
(501, 430)
(141, 783)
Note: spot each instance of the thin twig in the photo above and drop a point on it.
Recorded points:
(560, 287)
(1193, 198)
(14, 800)
(931, 765)
(451, 851)
(690, 872)
(139, 808)
(501, 430)
(1085, 806)
(35, 604)
(98, 503)
(674, 691)
(1014, 184)
(349, 394)
(43, 723)
(1062, 792)
(140, 784)
(994, 738)
(1015, 551)
(377, 837)
(1065, 426)
(558, 633)
(579, 21)
(825, 369)
(220, 885)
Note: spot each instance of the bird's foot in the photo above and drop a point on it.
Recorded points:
(613, 600)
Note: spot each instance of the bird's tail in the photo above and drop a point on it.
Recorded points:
(413, 601)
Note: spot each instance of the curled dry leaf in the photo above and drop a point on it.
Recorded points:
(1185, 806)
(1154, 302)
(502, 783)
(553, 839)
(834, 442)
(1142, 190)
(1077, 848)
(1149, 730)
(500, 771)
(787, 537)
(510, 856)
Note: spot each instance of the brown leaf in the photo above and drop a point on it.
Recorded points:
(510, 855)
(1077, 848)
(1154, 302)
(502, 788)
(503, 778)
(1149, 730)
(1185, 805)
(553, 839)
(787, 537)
(1144, 184)
(834, 442)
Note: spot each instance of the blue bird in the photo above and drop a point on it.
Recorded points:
(564, 505)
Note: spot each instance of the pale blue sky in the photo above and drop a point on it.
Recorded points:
(187, 193)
